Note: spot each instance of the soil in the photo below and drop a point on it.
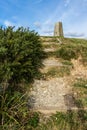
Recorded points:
(55, 94)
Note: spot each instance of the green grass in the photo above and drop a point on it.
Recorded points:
(67, 52)
(72, 49)
(66, 121)
(81, 83)
(67, 62)
(58, 71)
(80, 87)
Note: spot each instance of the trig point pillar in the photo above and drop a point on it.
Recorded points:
(58, 29)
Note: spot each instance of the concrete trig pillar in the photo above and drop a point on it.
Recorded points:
(58, 29)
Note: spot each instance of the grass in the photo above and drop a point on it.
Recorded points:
(71, 120)
(67, 52)
(66, 121)
(80, 87)
(72, 49)
(67, 62)
(51, 54)
(58, 71)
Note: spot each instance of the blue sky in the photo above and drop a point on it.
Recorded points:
(41, 15)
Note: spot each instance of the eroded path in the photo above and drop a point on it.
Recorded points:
(53, 94)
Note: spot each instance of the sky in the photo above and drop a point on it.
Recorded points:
(41, 15)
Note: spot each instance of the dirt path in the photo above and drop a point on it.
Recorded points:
(54, 94)
(49, 63)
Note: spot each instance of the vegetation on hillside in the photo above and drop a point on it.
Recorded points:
(72, 49)
(21, 55)
(70, 120)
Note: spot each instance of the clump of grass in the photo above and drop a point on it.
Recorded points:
(80, 87)
(33, 120)
(72, 49)
(66, 121)
(67, 52)
(67, 62)
(58, 71)
(83, 52)
(51, 54)
(81, 83)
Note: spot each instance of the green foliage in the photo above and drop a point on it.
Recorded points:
(21, 55)
(67, 63)
(81, 83)
(83, 52)
(67, 52)
(13, 111)
(34, 120)
(72, 49)
(80, 87)
(66, 121)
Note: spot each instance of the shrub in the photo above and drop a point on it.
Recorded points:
(21, 55)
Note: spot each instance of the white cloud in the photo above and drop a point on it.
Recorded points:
(37, 25)
(74, 34)
(8, 23)
(48, 31)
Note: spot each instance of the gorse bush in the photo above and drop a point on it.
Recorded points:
(21, 55)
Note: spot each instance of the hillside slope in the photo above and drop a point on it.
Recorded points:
(64, 66)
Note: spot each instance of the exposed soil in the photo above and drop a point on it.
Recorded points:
(55, 94)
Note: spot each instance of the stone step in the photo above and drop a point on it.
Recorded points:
(52, 62)
(49, 49)
(53, 111)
